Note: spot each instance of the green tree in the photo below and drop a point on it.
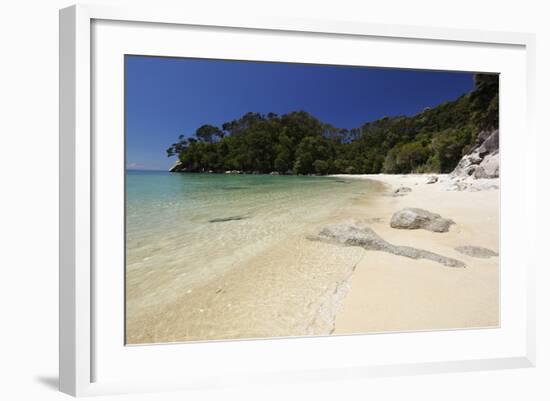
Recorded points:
(410, 156)
(433, 140)
(311, 148)
(208, 133)
(485, 100)
(447, 146)
(321, 167)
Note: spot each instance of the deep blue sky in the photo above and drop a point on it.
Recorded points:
(166, 97)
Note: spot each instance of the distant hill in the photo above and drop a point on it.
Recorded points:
(297, 143)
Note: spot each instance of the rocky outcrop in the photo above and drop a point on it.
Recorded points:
(483, 161)
(488, 142)
(354, 234)
(476, 251)
(176, 167)
(489, 167)
(414, 218)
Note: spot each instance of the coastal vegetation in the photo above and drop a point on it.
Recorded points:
(432, 141)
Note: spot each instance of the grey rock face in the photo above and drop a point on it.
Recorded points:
(483, 161)
(476, 251)
(488, 142)
(489, 167)
(353, 234)
(467, 165)
(414, 218)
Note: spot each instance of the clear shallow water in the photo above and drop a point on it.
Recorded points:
(186, 231)
(167, 213)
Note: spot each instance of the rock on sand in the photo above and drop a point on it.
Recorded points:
(414, 218)
(354, 234)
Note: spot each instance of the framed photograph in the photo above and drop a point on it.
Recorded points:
(268, 201)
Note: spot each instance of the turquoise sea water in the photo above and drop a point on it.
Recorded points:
(185, 231)
(169, 212)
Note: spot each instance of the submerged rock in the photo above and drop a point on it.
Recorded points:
(414, 218)
(476, 251)
(222, 219)
(233, 188)
(353, 234)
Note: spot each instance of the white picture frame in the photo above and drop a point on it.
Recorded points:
(80, 343)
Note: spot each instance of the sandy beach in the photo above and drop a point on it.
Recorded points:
(393, 293)
(297, 285)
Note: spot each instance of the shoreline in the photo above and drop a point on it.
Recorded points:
(311, 288)
(266, 279)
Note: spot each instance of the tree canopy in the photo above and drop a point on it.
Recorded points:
(298, 143)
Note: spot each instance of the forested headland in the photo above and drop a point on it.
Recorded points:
(432, 141)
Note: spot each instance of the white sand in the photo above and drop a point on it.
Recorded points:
(393, 293)
(300, 287)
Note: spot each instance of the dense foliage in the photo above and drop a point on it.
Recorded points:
(297, 143)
